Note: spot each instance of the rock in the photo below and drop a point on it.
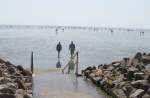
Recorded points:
(12, 85)
(148, 78)
(20, 84)
(1, 73)
(146, 96)
(28, 85)
(26, 73)
(139, 76)
(27, 96)
(29, 91)
(127, 89)
(138, 56)
(6, 90)
(20, 68)
(129, 76)
(98, 72)
(140, 84)
(110, 68)
(5, 80)
(137, 93)
(11, 70)
(9, 64)
(146, 60)
(118, 93)
(148, 91)
(19, 91)
(3, 95)
(2, 61)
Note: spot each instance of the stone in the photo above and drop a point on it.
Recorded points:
(137, 93)
(110, 68)
(28, 85)
(20, 84)
(11, 70)
(148, 78)
(20, 91)
(139, 76)
(5, 80)
(118, 93)
(3, 95)
(27, 96)
(7, 90)
(138, 56)
(129, 76)
(1, 73)
(26, 73)
(20, 68)
(140, 84)
(146, 96)
(29, 91)
(146, 60)
(8, 64)
(12, 85)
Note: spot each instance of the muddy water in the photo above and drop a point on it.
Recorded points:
(57, 85)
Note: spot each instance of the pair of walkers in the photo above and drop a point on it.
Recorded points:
(71, 48)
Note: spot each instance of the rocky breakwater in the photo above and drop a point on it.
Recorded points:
(15, 81)
(127, 78)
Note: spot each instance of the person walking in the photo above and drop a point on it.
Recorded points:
(59, 48)
(72, 48)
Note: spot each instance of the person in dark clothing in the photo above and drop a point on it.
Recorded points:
(72, 48)
(59, 48)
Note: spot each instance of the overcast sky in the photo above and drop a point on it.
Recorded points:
(106, 13)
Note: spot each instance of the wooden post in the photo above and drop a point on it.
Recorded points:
(32, 61)
(77, 64)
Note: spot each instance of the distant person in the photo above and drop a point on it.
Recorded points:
(59, 48)
(142, 33)
(56, 31)
(72, 48)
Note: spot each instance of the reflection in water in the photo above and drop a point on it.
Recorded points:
(74, 80)
(57, 85)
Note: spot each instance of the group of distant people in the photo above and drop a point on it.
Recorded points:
(71, 48)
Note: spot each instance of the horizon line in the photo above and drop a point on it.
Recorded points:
(75, 26)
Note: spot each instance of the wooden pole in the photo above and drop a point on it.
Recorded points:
(32, 61)
(77, 64)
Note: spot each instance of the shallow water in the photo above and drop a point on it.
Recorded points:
(95, 47)
(57, 85)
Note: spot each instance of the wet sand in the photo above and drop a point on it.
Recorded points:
(54, 84)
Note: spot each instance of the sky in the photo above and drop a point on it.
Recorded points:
(102, 13)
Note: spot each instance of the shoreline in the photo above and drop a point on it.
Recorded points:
(15, 81)
(127, 78)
